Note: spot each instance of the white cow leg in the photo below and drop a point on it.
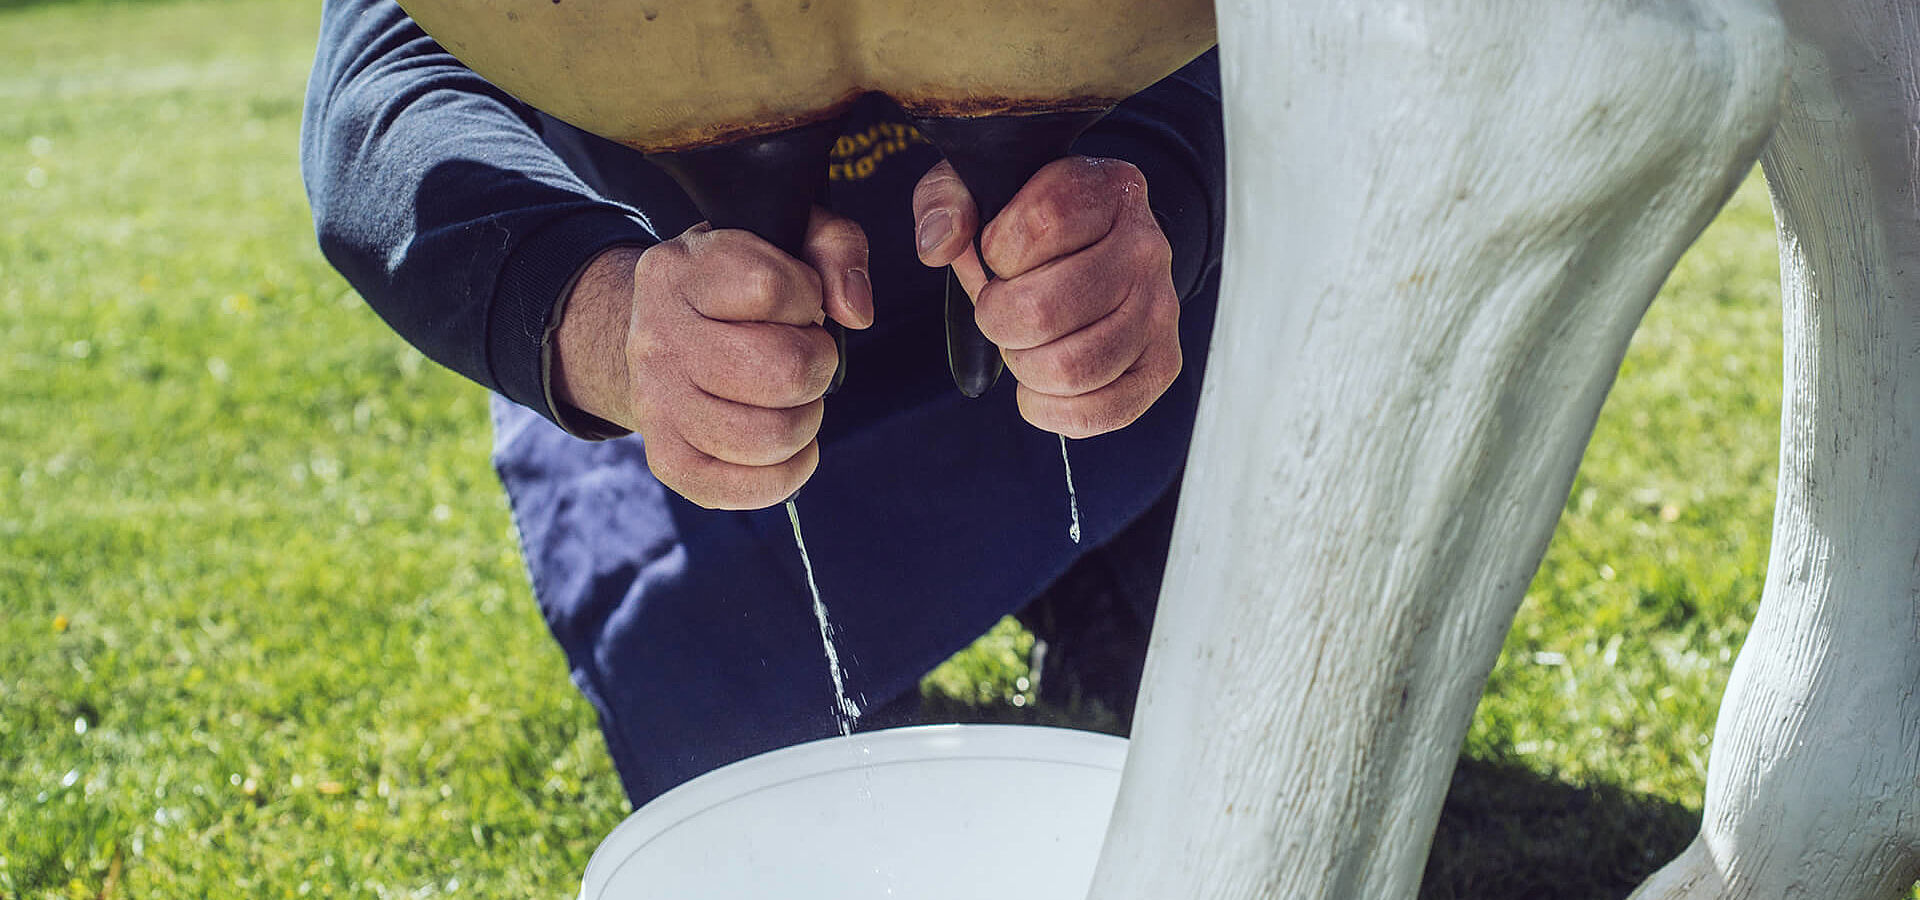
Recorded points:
(1447, 218)
(1814, 785)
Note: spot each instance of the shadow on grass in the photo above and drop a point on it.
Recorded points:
(1508, 833)
(1505, 833)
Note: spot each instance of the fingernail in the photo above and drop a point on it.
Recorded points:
(860, 292)
(935, 228)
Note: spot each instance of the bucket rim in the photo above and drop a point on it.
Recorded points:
(884, 747)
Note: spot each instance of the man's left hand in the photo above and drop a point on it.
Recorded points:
(1083, 308)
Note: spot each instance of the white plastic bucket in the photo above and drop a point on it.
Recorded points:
(940, 812)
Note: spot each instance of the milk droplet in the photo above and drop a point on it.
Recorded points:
(1073, 497)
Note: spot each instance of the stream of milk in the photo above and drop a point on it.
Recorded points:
(1073, 497)
(845, 711)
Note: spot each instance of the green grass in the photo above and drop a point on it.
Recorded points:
(265, 633)
(1615, 666)
(250, 540)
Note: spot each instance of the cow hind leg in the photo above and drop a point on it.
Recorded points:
(1446, 220)
(1813, 789)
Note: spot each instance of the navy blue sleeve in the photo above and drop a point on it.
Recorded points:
(435, 196)
(1172, 131)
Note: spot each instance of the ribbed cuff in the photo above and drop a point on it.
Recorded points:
(527, 300)
(1178, 198)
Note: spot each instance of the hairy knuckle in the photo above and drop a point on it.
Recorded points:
(822, 379)
(823, 359)
(1079, 421)
(1123, 176)
(838, 231)
(1026, 323)
(1073, 368)
(1042, 217)
(1163, 312)
(714, 246)
(768, 446)
(682, 478)
(647, 351)
(802, 365)
(664, 259)
(1113, 416)
(742, 487)
(1148, 248)
(1039, 312)
(731, 487)
(662, 470)
(1022, 224)
(791, 479)
(1170, 365)
(789, 369)
(788, 431)
(737, 495)
(758, 285)
(996, 311)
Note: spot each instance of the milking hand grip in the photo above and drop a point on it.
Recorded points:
(994, 157)
(766, 185)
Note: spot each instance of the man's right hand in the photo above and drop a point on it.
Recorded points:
(710, 346)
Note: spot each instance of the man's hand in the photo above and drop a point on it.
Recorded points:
(1083, 308)
(710, 346)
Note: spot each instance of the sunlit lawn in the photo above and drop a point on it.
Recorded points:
(264, 630)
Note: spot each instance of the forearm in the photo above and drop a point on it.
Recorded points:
(435, 196)
(589, 343)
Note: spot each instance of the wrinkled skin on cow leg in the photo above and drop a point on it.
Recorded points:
(1447, 220)
(1814, 785)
